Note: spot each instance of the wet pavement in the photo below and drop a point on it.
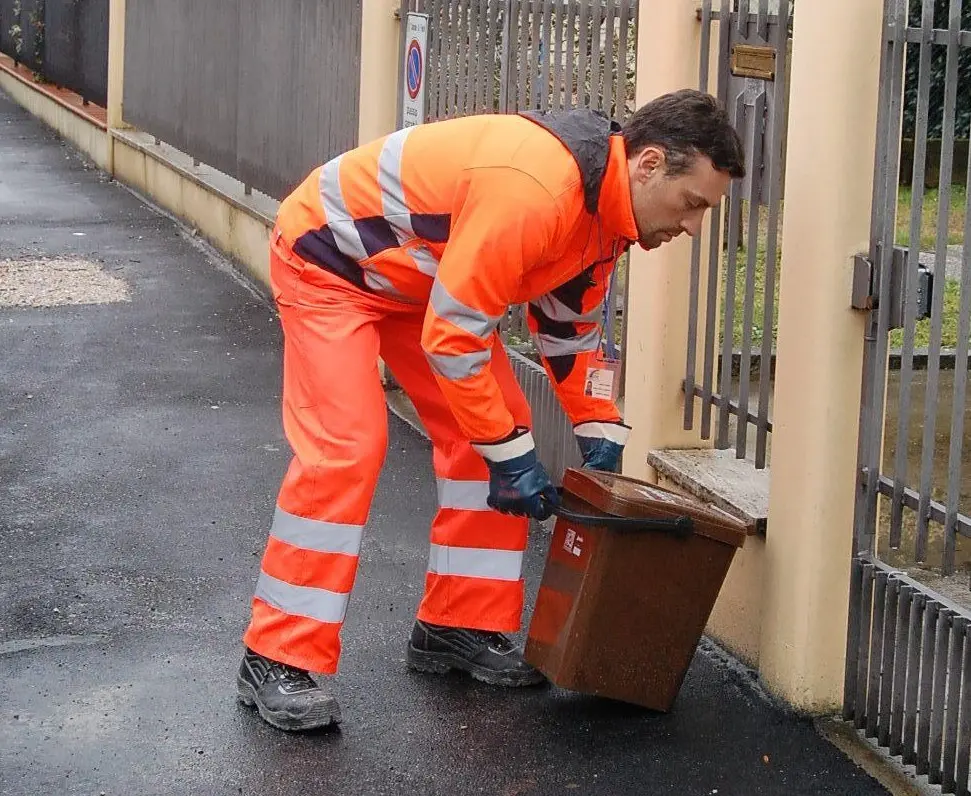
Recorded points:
(140, 453)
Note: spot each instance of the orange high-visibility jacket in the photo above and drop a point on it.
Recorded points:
(465, 217)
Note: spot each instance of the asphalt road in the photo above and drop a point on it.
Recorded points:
(140, 453)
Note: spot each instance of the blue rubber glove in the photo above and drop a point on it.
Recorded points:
(601, 444)
(518, 483)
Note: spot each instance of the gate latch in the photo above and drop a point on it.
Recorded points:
(868, 286)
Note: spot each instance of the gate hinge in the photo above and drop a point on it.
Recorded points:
(868, 286)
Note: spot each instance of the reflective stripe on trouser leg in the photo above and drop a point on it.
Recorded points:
(473, 577)
(334, 419)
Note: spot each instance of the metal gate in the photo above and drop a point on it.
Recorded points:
(908, 675)
(751, 48)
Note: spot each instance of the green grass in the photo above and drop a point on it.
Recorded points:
(929, 220)
(929, 212)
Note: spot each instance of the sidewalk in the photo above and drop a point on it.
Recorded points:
(140, 453)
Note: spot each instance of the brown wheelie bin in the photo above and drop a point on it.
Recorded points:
(631, 577)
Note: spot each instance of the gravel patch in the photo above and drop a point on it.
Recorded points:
(58, 282)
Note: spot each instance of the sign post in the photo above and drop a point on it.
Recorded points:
(416, 45)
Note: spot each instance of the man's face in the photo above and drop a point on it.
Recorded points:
(665, 206)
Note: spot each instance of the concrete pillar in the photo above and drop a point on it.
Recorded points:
(668, 48)
(116, 74)
(829, 178)
(380, 32)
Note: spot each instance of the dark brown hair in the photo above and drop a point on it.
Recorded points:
(685, 124)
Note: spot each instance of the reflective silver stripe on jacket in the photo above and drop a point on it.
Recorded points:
(461, 315)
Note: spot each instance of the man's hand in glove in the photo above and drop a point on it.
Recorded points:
(601, 443)
(518, 484)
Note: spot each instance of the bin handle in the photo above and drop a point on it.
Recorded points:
(682, 527)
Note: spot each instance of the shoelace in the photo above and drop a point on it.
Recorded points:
(294, 675)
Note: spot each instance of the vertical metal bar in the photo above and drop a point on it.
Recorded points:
(525, 65)
(596, 92)
(751, 265)
(937, 708)
(545, 87)
(863, 659)
(955, 455)
(611, 60)
(876, 654)
(955, 653)
(620, 92)
(943, 216)
(889, 661)
(458, 52)
(964, 721)
(571, 42)
(694, 292)
(714, 253)
(559, 87)
(742, 20)
(773, 172)
(583, 48)
(956, 459)
(535, 54)
(882, 235)
(929, 633)
(853, 640)
(476, 47)
(448, 59)
(728, 312)
(762, 22)
(901, 479)
(464, 51)
(505, 55)
(914, 640)
(901, 662)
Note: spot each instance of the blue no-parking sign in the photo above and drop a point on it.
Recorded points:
(416, 42)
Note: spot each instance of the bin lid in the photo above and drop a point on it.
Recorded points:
(623, 496)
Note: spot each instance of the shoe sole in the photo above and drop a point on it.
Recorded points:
(443, 663)
(323, 715)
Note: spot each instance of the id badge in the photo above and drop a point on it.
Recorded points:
(603, 379)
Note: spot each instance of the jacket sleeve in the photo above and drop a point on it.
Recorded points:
(503, 224)
(566, 328)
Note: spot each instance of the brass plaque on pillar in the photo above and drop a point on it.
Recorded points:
(750, 60)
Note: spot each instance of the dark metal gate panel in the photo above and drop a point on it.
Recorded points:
(76, 47)
(263, 92)
(299, 86)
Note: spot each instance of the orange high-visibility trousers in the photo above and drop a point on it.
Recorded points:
(335, 419)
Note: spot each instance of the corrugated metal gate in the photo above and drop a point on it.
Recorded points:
(908, 676)
(499, 56)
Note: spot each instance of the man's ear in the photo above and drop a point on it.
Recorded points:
(649, 160)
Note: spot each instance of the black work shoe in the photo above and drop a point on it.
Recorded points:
(487, 656)
(286, 697)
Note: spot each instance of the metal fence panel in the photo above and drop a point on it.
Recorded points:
(910, 690)
(22, 34)
(76, 47)
(744, 255)
(263, 92)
